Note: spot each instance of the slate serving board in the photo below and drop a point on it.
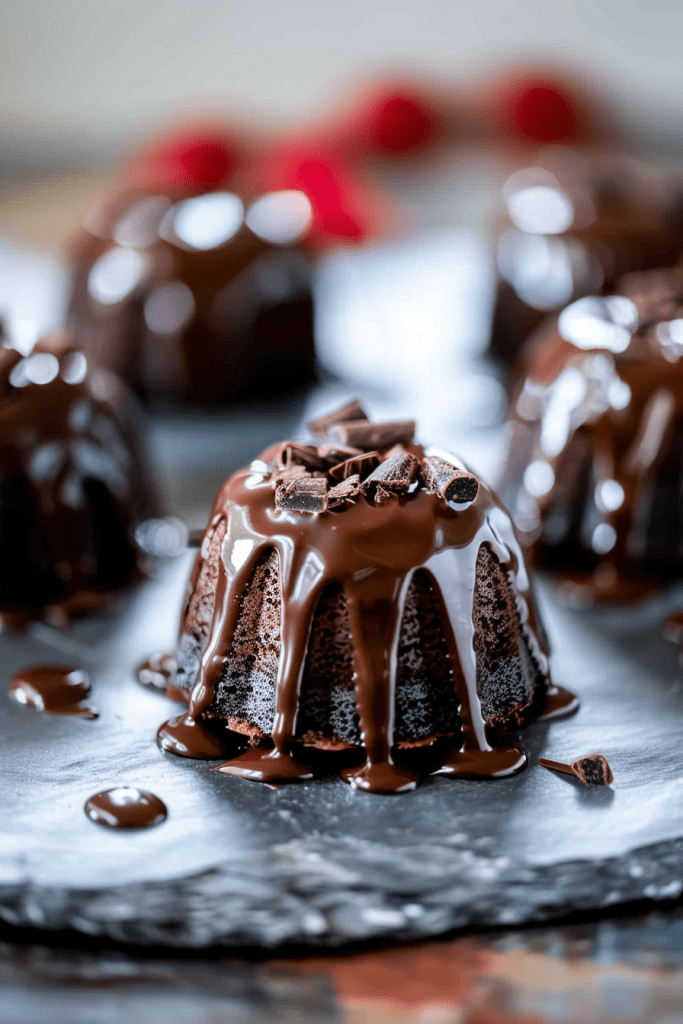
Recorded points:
(237, 863)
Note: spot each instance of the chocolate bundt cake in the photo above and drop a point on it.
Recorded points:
(196, 296)
(73, 482)
(574, 223)
(594, 477)
(359, 592)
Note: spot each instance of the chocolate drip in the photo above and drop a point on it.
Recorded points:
(126, 807)
(373, 551)
(54, 689)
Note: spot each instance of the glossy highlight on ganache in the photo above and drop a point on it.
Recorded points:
(373, 545)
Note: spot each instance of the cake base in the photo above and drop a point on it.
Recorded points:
(321, 863)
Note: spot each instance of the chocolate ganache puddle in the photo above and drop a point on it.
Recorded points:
(126, 807)
(365, 512)
(54, 689)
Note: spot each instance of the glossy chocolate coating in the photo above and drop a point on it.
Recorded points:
(74, 482)
(574, 223)
(595, 467)
(372, 547)
(197, 297)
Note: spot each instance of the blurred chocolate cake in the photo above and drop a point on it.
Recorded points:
(73, 482)
(354, 593)
(594, 477)
(573, 223)
(196, 296)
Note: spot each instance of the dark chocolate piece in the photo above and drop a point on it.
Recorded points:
(345, 491)
(452, 484)
(357, 465)
(303, 494)
(392, 477)
(350, 411)
(336, 453)
(591, 770)
(281, 476)
(366, 435)
(306, 455)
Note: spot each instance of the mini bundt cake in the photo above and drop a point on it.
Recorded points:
(594, 477)
(574, 223)
(359, 592)
(196, 297)
(74, 483)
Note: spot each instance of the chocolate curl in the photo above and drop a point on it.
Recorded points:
(362, 434)
(351, 411)
(454, 486)
(344, 492)
(306, 455)
(303, 494)
(591, 769)
(358, 465)
(392, 477)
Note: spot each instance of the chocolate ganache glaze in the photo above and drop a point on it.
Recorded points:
(359, 595)
(574, 222)
(74, 482)
(594, 476)
(196, 295)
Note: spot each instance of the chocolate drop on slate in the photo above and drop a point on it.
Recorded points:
(126, 807)
(54, 689)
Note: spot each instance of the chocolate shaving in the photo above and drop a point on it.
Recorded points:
(280, 476)
(307, 455)
(358, 465)
(336, 453)
(302, 494)
(350, 411)
(372, 435)
(593, 770)
(392, 477)
(453, 485)
(344, 492)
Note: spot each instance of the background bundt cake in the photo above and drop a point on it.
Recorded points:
(73, 481)
(359, 593)
(196, 296)
(594, 477)
(574, 222)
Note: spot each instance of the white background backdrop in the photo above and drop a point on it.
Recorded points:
(104, 68)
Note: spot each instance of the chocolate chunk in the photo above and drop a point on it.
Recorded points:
(391, 478)
(455, 486)
(336, 453)
(358, 465)
(344, 492)
(281, 476)
(372, 435)
(307, 455)
(302, 494)
(593, 770)
(350, 411)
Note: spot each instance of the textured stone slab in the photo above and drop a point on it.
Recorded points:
(319, 863)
